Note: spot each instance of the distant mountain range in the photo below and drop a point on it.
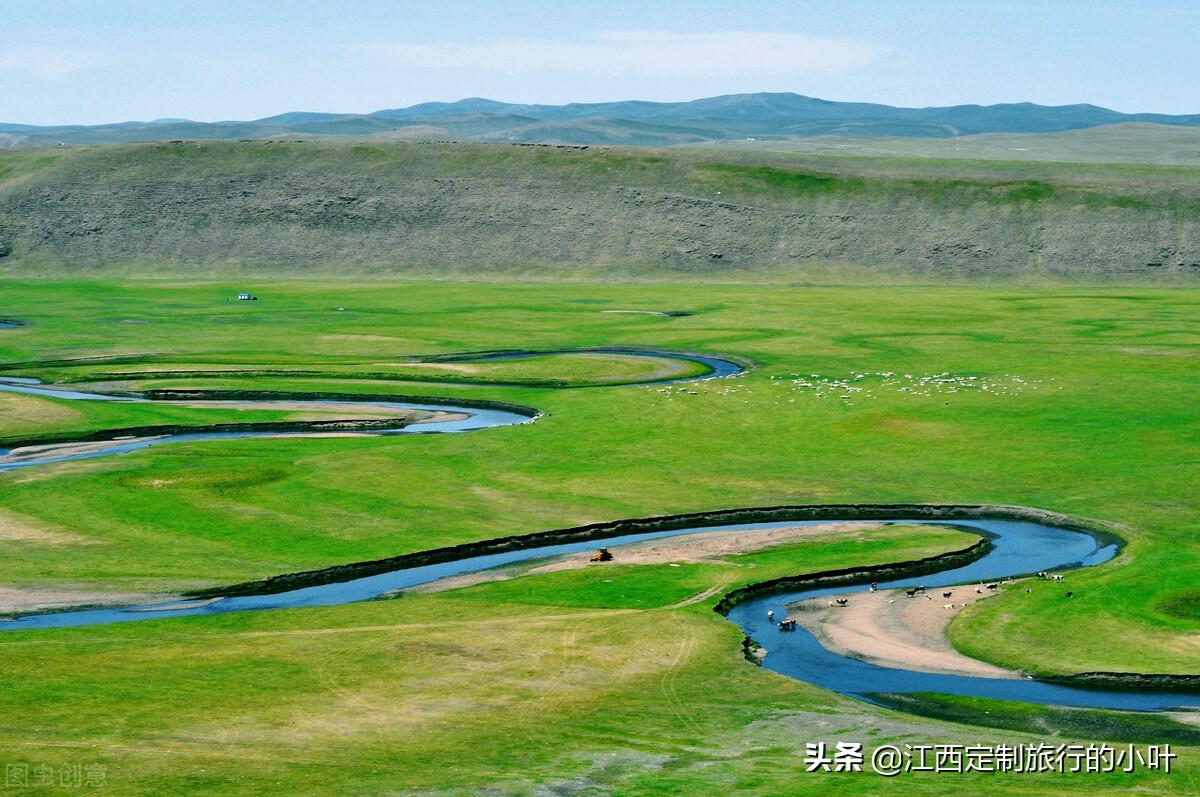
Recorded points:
(636, 123)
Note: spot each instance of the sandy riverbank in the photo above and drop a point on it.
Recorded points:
(692, 548)
(17, 600)
(48, 450)
(349, 408)
(890, 629)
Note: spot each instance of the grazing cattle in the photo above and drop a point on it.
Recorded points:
(874, 586)
(947, 605)
(947, 594)
(770, 615)
(1028, 590)
(843, 601)
(1043, 574)
(993, 586)
(1057, 578)
(910, 592)
(787, 625)
(1069, 594)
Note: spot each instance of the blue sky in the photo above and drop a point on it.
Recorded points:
(91, 61)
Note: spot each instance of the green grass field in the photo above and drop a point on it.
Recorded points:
(1131, 142)
(599, 680)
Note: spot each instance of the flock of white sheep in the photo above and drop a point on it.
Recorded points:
(862, 386)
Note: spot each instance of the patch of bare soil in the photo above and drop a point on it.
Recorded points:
(438, 417)
(1190, 717)
(893, 630)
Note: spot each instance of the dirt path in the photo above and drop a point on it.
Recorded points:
(890, 629)
(699, 596)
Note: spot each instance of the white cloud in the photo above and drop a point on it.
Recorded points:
(45, 62)
(648, 53)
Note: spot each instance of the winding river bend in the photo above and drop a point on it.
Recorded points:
(1018, 547)
(464, 419)
(474, 416)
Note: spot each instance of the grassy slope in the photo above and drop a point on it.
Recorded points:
(1131, 142)
(1103, 426)
(476, 210)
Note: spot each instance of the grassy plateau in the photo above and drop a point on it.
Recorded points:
(610, 678)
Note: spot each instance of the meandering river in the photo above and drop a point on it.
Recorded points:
(1019, 547)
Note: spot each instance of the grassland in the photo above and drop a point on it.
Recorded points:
(588, 681)
(1130, 142)
(581, 369)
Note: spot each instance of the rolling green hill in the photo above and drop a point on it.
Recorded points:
(463, 210)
